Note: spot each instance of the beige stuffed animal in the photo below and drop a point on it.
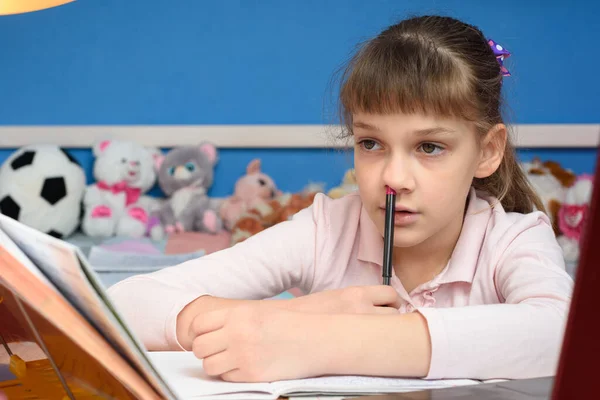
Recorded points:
(271, 212)
(348, 186)
(250, 190)
(551, 182)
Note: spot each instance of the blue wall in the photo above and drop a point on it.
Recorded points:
(268, 62)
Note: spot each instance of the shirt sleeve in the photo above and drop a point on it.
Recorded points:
(266, 264)
(522, 336)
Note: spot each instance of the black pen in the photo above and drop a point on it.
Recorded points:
(388, 234)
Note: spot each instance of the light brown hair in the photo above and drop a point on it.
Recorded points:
(438, 66)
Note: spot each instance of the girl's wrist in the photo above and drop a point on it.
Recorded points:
(329, 334)
(321, 333)
(297, 304)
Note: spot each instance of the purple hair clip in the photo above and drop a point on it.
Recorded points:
(501, 53)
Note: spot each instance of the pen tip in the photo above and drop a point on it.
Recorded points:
(389, 190)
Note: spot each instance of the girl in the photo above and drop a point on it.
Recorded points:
(479, 288)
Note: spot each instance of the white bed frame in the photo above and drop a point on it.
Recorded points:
(261, 136)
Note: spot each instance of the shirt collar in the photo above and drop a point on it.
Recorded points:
(370, 241)
(463, 262)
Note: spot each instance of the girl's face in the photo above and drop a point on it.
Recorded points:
(429, 162)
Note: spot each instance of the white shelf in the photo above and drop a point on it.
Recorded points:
(261, 136)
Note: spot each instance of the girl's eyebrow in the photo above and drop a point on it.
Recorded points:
(433, 131)
(364, 125)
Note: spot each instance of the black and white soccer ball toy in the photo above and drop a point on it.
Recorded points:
(42, 186)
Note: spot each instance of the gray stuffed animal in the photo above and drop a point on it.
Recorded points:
(184, 175)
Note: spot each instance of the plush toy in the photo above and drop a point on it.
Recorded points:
(250, 190)
(115, 204)
(572, 216)
(185, 174)
(550, 181)
(42, 186)
(271, 212)
(348, 185)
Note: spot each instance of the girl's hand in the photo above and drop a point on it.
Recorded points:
(377, 299)
(256, 343)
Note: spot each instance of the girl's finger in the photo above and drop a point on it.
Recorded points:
(209, 344)
(235, 375)
(383, 295)
(208, 322)
(219, 364)
(385, 310)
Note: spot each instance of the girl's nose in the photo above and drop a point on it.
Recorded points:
(398, 175)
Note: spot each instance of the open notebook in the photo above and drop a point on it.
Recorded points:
(96, 350)
(185, 373)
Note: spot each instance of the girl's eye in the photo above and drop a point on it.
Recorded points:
(190, 166)
(368, 144)
(171, 171)
(430, 148)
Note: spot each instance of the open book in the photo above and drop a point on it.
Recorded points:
(96, 349)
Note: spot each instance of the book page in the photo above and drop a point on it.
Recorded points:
(184, 371)
(361, 385)
(25, 262)
(23, 280)
(185, 374)
(61, 263)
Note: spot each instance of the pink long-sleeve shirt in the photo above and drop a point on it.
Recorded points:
(497, 310)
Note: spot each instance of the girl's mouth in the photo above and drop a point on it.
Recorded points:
(404, 217)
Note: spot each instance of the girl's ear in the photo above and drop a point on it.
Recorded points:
(491, 151)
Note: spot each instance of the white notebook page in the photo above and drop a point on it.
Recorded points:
(184, 373)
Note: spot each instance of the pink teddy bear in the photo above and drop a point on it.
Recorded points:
(250, 190)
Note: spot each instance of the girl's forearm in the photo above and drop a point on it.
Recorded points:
(378, 345)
